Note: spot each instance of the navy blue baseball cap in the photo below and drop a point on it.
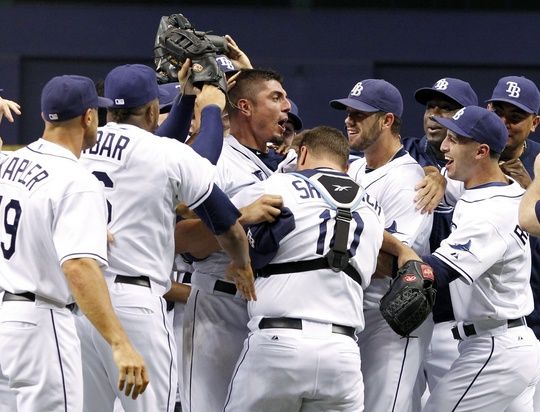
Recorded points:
(519, 91)
(264, 238)
(225, 64)
(293, 116)
(68, 96)
(478, 124)
(131, 85)
(168, 92)
(372, 95)
(457, 90)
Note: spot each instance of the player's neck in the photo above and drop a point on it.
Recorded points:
(248, 139)
(382, 152)
(65, 137)
(488, 172)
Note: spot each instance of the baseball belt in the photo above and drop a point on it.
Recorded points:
(132, 280)
(26, 297)
(295, 323)
(469, 330)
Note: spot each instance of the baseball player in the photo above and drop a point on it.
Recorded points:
(301, 354)
(53, 249)
(388, 173)
(499, 356)
(215, 316)
(444, 98)
(145, 176)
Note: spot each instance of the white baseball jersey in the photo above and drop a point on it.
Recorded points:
(491, 253)
(327, 296)
(237, 168)
(53, 210)
(393, 187)
(153, 174)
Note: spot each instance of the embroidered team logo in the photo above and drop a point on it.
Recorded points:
(225, 62)
(357, 89)
(513, 89)
(441, 84)
(459, 113)
(197, 68)
(463, 247)
(339, 188)
(393, 228)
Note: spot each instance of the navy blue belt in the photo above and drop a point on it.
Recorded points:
(295, 323)
(26, 297)
(470, 330)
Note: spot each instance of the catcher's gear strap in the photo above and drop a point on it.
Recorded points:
(342, 194)
(305, 266)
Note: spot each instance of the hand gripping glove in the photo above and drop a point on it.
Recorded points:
(410, 298)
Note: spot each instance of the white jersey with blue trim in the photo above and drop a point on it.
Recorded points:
(393, 186)
(145, 176)
(237, 168)
(320, 295)
(491, 252)
(52, 211)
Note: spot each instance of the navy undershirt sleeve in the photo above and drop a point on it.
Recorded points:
(209, 141)
(444, 274)
(177, 124)
(217, 212)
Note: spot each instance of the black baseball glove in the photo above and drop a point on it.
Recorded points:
(410, 298)
(177, 41)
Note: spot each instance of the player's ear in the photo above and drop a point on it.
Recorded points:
(482, 151)
(388, 120)
(87, 118)
(535, 122)
(244, 106)
(302, 155)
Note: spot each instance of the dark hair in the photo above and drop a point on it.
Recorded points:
(246, 84)
(123, 115)
(326, 141)
(396, 126)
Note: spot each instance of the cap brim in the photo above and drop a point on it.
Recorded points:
(104, 102)
(342, 104)
(295, 120)
(451, 125)
(512, 102)
(425, 94)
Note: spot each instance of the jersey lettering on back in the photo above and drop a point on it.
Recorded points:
(23, 171)
(112, 145)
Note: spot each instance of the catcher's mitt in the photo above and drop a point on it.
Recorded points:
(410, 298)
(177, 41)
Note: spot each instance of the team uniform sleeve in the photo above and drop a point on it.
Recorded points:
(192, 174)
(402, 219)
(249, 194)
(209, 142)
(80, 226)
(471, 249)
(176, 125)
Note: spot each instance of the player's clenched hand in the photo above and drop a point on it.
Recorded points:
(265, 209)
(132, 374)
(8, 106)
(186, 86)
(210, 95)
(430, 191)
(244, 280)
(515, 169)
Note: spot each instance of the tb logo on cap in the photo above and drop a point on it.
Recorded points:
(459, 113)
(357, 89)
(513, 89)
(441, 84)
(225, 62)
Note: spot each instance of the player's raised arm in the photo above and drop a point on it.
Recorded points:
(7, 108)
(92, 296)
(529, 208)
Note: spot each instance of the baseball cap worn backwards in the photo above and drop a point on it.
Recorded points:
(519, 91)
(68, 96)
(131, 85)
(455, 89)
(372, 95)
(478, 124)
(168, 92)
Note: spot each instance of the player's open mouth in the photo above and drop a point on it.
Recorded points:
(281, 124)
(448, 161)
